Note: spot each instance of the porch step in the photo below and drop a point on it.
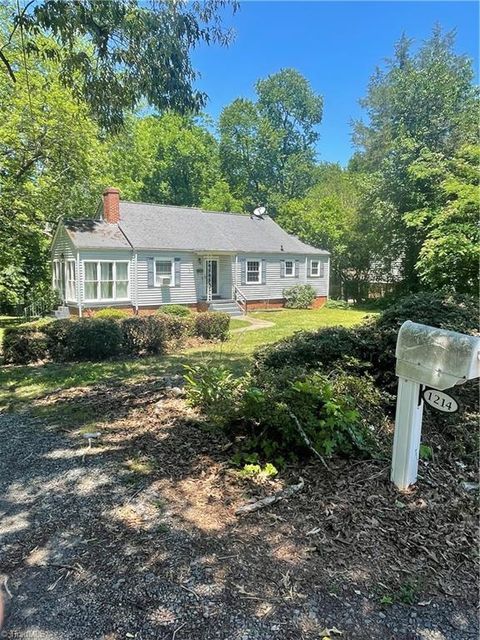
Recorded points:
(226, 306)
(61, 312)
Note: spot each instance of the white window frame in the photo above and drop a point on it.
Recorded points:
(172, 272)
(71, 283)
(99, 280)
(290, 275)
(259, 280)
(56, 275)
(315, 273)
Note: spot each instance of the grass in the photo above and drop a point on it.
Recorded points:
(236, 323)
(20, 384)
(286, 322)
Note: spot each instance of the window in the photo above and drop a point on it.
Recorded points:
(164, 274)
(253, 271)
(71, 284)
(315, 268)
(289, 269)
(106, 280)
(57, 278)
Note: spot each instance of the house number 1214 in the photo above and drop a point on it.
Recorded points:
(440, 400)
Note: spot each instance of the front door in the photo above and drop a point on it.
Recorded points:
(211, 277)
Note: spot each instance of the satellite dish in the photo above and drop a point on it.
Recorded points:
(259, 212)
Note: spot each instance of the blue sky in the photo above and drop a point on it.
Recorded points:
(336, 45)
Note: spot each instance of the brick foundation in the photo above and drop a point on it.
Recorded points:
(319, 302)
(252, 305)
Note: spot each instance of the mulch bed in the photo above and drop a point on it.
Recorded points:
(347, 556)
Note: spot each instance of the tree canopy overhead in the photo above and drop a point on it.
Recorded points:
(267, 146)
(119, 53)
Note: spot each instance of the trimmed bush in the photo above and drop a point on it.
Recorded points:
(177, 328)
(145, 335)
(175, 310)
(301, 296)
(309, 349)
(110, 313)
(25, 343)
(211, 325)
(93, 339)
(58, 342)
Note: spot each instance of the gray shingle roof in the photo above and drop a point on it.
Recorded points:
(96, 234)
(154, 226)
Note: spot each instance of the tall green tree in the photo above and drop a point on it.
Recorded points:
(421, 102)
(119, 53)
(169, 159)
(450, 254)
(51, 165)
(329, 217)
(267, 146)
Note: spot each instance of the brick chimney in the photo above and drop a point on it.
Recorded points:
(111, 205)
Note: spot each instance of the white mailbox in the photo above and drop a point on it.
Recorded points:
(426, 357)
(435, 357)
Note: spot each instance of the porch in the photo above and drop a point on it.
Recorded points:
(216, 278)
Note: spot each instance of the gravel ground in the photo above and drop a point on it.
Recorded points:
(136, 537)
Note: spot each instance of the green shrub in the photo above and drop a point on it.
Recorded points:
(83, 339)
(373, 343)
(145, 335)
(256, 471)
(25, 343)
(336, 304)
(58, 342)
(111, 313)
(177, 328)
(175, 310)
(285, 404)
(211, 325)
(213, 390)
(309, 348)
(301, 296)
(92, 339)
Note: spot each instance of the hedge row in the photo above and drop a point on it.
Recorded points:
(370, 346)
(99, 338)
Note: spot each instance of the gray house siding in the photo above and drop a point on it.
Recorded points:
(275, 282)
(63, 249)
(185, 293)
(190, 274)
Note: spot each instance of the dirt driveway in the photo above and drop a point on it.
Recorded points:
(137, 537)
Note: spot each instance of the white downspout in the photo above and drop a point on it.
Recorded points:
(135, 272)
(79, 286)
(306, 269)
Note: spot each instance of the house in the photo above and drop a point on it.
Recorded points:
(139, 256)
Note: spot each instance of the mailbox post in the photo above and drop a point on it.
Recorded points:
(425, 357)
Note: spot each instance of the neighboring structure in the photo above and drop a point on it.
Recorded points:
(141, 256)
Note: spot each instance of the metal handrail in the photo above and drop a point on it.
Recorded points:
(243, 299)
(38, 308)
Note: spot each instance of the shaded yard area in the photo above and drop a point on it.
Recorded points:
(137, 537)
(133, 534)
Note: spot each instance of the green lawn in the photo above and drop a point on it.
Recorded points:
(19, 384)
(287, 321)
